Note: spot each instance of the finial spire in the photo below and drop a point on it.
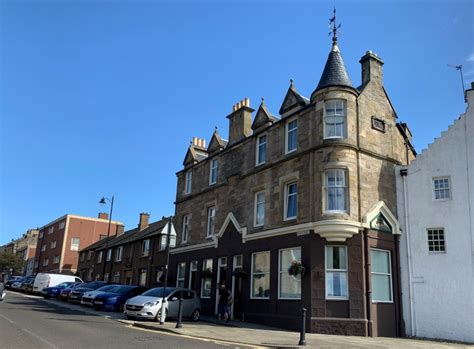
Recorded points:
(335, 26)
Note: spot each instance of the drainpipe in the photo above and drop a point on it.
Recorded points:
(367, 282)
(403, 174)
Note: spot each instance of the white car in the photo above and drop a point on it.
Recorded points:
(148, 304)
(88, 297)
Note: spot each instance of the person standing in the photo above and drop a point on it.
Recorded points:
(2, 291)
(223, 308)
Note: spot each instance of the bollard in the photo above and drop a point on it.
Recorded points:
(180, 314)
(303, 327)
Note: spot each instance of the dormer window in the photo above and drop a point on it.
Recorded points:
(335, 119)
(213, 172)
(261, 150)
(291, 136)
(188, 182)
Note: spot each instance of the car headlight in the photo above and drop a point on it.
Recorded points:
(150, 304)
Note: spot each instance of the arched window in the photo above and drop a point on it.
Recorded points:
(335, 116)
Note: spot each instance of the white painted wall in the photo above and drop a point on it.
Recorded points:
(442, 283)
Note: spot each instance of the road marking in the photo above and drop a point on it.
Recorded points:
(10, 321)
(51, 345)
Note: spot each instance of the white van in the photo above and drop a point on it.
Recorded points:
(43, 280)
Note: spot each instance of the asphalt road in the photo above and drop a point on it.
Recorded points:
(29, 323)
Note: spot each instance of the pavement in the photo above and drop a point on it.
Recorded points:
(238, 334)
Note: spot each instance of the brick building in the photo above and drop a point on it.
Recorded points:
(133, 258)
(313, 188)
(60, 241)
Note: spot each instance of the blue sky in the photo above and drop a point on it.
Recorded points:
(102, 97)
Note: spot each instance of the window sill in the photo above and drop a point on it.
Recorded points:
(383, 302)
(260, 164)
(290, 151)
(337, 298)
(289, 299)
(260, 298)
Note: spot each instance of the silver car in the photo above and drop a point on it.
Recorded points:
(148, 304)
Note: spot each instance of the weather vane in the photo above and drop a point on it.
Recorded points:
(335, 27)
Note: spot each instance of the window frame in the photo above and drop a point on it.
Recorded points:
(145, 252)
(255, 209)
(53, 244)
(46, 262)
(185, 228)
(287, 132)
(108, 256)
(433, 183)
(438, 229)
(212, 168)
(99, 256)
(252, 261)
(56, 259)
(285, 206)
(326, 190)
(78, 244)
(384, 274)
(325, 117)
(326, 270)
(188, 182)
(258, 150)
(193, 267)
(182, 279)
(286, 271)
(62, 225)
(204, 279)
(119, 256)
(51, 229)
(211, 219)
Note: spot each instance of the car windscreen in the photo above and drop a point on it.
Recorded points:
(63, 284)
(107, 288)
(123, 289)
(158, 292)
(94, 285)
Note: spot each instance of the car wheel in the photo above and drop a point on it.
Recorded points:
(130, 317)
(196, 315)
(46, 297)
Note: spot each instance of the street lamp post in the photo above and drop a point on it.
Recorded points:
(103, 201)
(163, 299)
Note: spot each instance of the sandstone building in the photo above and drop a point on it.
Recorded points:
(300, 210)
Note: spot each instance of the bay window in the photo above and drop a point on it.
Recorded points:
(335, 119)
(336, 190)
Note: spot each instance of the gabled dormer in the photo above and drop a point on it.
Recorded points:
(293, 101)
(196, 152)
(263, 118)
(216, 143)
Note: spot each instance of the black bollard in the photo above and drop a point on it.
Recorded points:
(180, 314)
(303, 327)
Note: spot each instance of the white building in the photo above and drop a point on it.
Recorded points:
(436, 212)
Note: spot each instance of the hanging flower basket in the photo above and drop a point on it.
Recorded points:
(239, 272)
(296, 268)
(207, 273)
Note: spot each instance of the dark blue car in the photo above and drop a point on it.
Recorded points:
(116, 298)
(53, 292)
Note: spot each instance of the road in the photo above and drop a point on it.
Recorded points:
(27, 322)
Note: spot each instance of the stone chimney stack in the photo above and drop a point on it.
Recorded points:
(144, 221)
(240, 121)
(103, 215)
(371, 68)
(199, 142)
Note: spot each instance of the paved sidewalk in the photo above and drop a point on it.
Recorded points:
(245, 333)
(261, 336)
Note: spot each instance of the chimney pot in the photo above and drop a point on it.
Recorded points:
(103, 215)
(144, 221)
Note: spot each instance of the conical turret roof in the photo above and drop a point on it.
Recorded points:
(334, 73)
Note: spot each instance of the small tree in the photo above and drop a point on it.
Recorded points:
(9, 261)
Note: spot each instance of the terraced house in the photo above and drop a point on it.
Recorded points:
(135, 257)
(300, 210)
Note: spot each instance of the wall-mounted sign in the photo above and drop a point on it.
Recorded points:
(378, 124)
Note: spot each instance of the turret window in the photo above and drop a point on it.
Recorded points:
(335, 116)
(336, 190)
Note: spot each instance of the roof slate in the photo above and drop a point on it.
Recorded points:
(334, 73)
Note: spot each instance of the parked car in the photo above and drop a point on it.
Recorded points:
(89, 296)
(53, 292)
(64, 293)
(11, 280)
(76, 294)
(27, 285)
(43, 280)
(116, 297)
(148, 305)
(16, 286)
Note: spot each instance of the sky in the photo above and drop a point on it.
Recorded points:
(101, 98)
